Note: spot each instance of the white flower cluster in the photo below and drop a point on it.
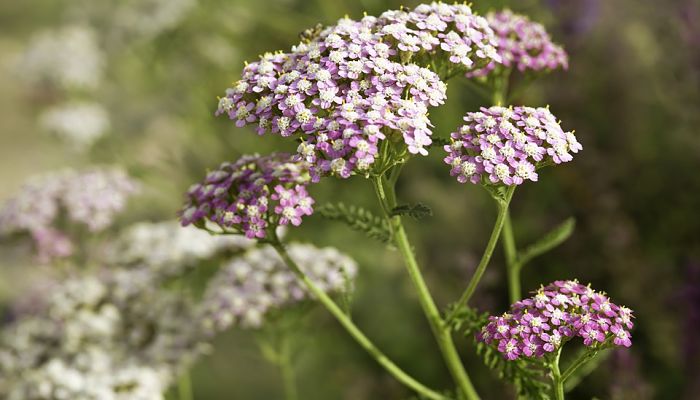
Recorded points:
(167, 248)
(148, 18)
(250, 286)
(68, 58)
(110, 337)
(90, 376)
(80, 123)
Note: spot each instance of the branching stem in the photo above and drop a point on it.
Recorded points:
(490, 246)
(441, 331)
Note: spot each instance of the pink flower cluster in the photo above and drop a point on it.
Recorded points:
(523, 44)
(555, 314)
(251, 194)
(89, 198)
(507, 145)
(347, 87)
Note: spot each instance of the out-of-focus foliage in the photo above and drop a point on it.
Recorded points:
(153, 70)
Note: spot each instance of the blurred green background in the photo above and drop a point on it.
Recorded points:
(631, 94)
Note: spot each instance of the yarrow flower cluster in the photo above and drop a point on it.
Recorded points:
(556, 313)
(167, 248)
(114, 336)
(502, 145)
(90, 198)
(346, 88)
(80, 123)
(523, 44)
(251, 286)
(67, 58)
(251, 194)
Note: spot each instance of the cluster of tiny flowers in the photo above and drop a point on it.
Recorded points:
(79, 124)
(251, 194)
(90, 198)
(523, 44)
(507, 145)
(345, 88)
(556, 313)
(89, 376)
(67, 58)
(114, 336)
(169, 249)
(250, 286)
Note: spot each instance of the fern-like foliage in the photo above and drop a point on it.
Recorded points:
(358, 219)
(529, 377)
(417, 211)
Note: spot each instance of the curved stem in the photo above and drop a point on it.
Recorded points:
(557, 378)
(490, 246)
(440, 330)
(512, 265)
(352, 329)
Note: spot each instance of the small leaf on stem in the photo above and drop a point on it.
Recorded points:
(554, 238)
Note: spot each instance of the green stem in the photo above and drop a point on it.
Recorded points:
(557, 378)
(440, 330)
(352, 329)
(500, 89)
(287, 370)
(512, 265)
(184, 387)
(490, 246)
(500, 94)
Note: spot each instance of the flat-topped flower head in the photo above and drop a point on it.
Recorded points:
(46, 203)
(251, 195)
(523, 45)
(258, 282)
(346, 88)
(555, 314)
(506, 146)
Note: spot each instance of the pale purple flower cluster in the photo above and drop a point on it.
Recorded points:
(523, 44)
(251, 194)
(249, 287)
(90, 198)
(556, 313)
(348, 87)
(502, 145)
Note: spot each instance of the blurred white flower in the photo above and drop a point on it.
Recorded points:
(79, 123)
(111, 336)
(69, 58)
(168, 248)
(148, 18)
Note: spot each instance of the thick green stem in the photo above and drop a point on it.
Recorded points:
(287, 370)
(440, 330)
(184, 387)
(352, 329)
(512, 265)
(557, 378)
(490, 246)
